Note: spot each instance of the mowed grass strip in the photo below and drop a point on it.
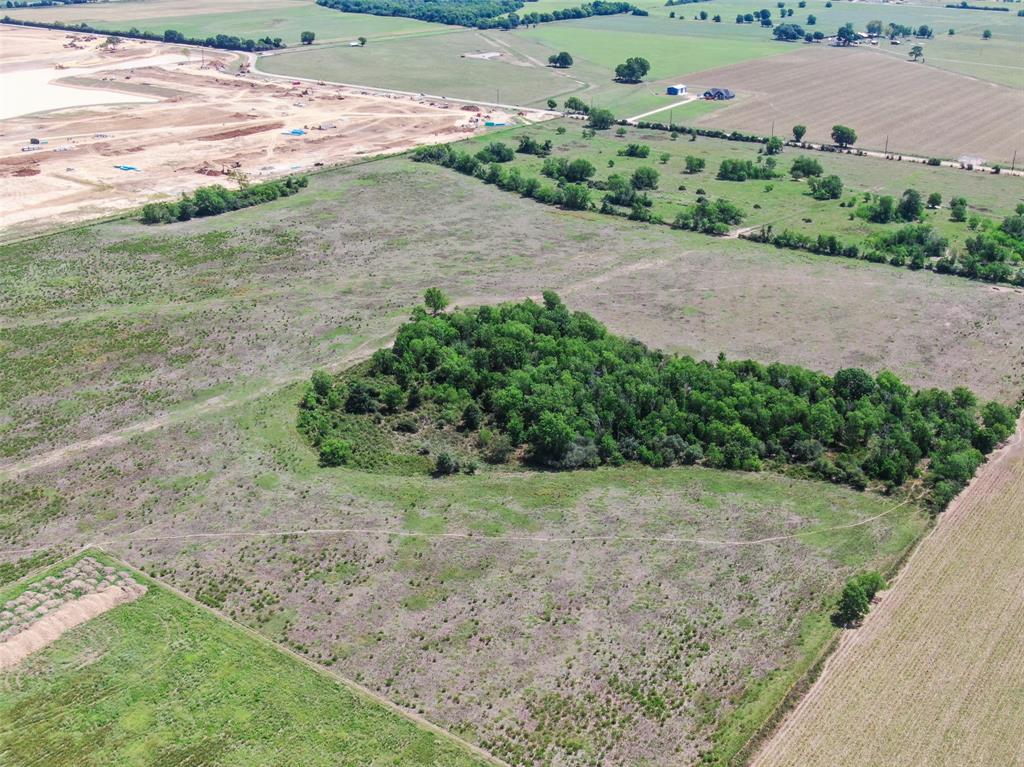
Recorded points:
(162, 681)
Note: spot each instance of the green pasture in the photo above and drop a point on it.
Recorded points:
(782, 202)
(162, 681)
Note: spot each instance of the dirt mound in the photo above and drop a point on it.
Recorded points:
(49, 628)
(236, 132)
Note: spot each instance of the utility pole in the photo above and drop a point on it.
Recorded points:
(773, 128)
(1013, 162)
(670, 119)
(886, 153)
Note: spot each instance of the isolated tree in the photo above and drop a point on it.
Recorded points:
(986, 35)
(811, 20)
(601, 119)
(552, 104)
(435, 299)
(362, 41)
(853, 605)
(843, 135)
(924, 31)
(951, 32)
(958, 209)
(874, 27)
(633, 70)
(846, 34)
(665, 157)
(694, 164)
(934, 200)
(579, 170)
(560, 60)
(774, 145)
(798, 132)
(307, 38)
(917, 52)
(827, 188)
(644, 178)
(910, 207)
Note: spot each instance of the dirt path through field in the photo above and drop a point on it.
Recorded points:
(50, 628)
(933, 676)
(545, 539)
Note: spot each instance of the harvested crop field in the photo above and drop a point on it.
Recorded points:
(919, 109)
(214, 124)
(935, 675)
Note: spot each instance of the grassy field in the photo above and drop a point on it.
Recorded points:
(108, 325)
(162, 681)
(934, 676)
(430, 64)
(513, 633)
(783, 203)
(517, 636)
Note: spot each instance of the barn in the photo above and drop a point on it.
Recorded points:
(718, 94)
(676, 90)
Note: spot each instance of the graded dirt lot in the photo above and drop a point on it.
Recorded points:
(935, 675)
(921, 110)
(199, 123)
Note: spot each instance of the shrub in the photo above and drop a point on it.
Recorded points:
(335, 452)
(445, 464)
(804, 167)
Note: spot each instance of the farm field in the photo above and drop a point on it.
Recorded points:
(434, 64)
(924, 112)
(783, 203)
(165, 681)
(118, 323)
(934, 676)
(286, 19)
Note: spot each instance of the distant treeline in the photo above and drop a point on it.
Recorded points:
(969, 7)
(214, 200)
(482, 14)
(224, 42)
(43, 3)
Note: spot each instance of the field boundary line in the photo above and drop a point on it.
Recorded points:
(385, 532)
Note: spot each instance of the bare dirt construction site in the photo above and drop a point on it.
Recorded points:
(916, 109)
(191, 123)
(949, 632)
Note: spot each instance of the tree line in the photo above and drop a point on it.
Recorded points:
(572, 395)
(481, 14)
(216, 199)
(223, 42)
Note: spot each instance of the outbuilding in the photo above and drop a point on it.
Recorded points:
(676, 90)
(718, 94)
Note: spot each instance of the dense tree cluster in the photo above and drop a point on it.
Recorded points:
(482, 14)
(576, 395)
(214, 200)
(745, 170)
(529, 145)
(788, 32)
(632, 70)
(805, 167)
(223, 42)
(568, 194)
(709, 217)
